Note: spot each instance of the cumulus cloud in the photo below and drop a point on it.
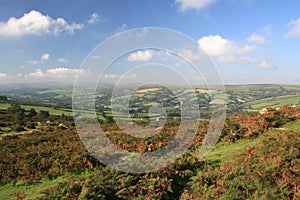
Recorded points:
(56, 73)
(227, 51)
(256, 38)
(3, 75)
(215, 45)
(94, 18)
(45, 57)
(62, 60)
(37, 73)
(193, 4)
(295, 32)
(139, 56)
(35, 23)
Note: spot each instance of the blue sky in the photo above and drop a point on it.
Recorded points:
(250, 41)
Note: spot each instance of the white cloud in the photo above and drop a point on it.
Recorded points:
(62, 60)
(56, 73)
(45, 57)
(295, 28)
(38, 73)
(144, 55)
(256, 38)
(227, 51)
(193, 4)
(266, 64)
(94, 18)
(35, 23)
(3, 75)
(61, 72)
(215, 45)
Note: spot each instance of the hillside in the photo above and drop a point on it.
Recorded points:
(257, 157)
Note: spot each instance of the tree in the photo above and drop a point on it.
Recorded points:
(15, 108)
(43, 114)
(19, 118)
(3, 98)
(32, 112)
(19, 121)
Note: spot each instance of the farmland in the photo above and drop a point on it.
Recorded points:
(240, 98)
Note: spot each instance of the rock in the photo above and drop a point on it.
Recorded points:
(63, 126)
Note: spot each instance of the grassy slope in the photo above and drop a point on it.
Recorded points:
(34, 191)
(224, 151)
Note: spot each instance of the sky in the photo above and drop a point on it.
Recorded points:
(249, 41)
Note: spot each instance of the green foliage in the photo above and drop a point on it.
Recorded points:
(3, 98)
(43, 114)
(32, 112)
(15, 108)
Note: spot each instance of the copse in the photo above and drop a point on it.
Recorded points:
(32, 112)
(15, 108)
(43, 114)
(19, 115)
(3, 99)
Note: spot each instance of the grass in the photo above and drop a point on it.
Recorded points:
(59, 92)
(274, 102)
(205, 91)
(148, 90)
(34, 191)
(224, 151)
(52, 111)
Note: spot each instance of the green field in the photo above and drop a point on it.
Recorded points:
(52, 111)
(274, 102)
(240, 98)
